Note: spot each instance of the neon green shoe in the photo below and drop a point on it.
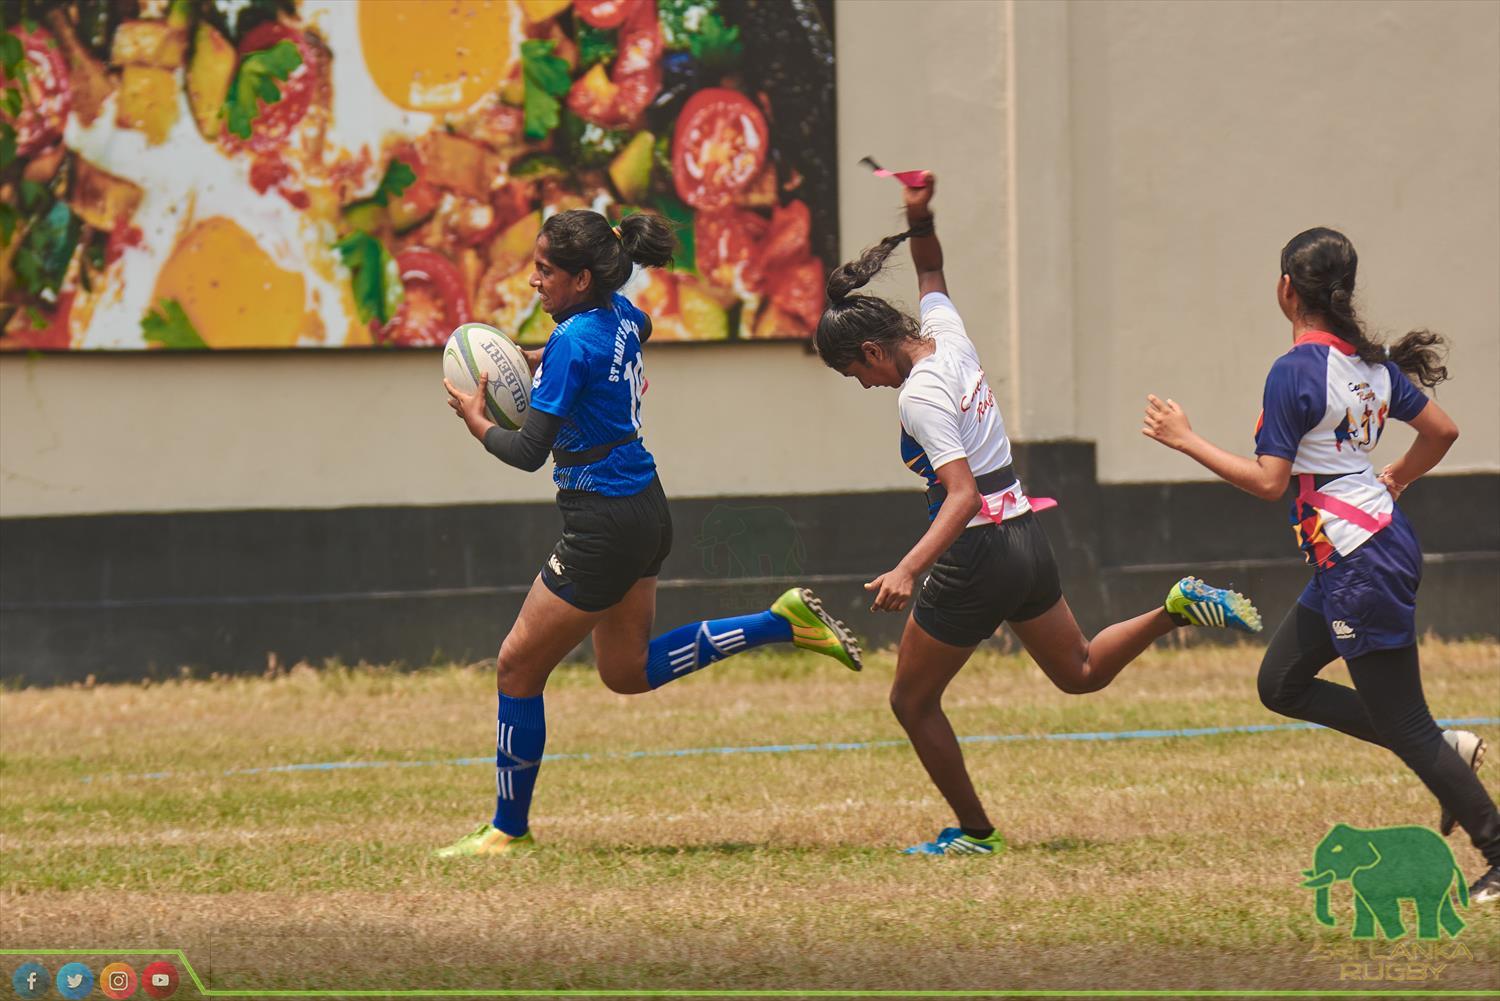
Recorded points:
(486, 839)
(953, 841)
(1200, 604)
(814, 629)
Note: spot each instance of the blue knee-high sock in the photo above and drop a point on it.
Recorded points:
(520, 735)
(688, 648)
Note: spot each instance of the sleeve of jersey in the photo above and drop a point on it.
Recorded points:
(1407, 400)
(940, 317)
(564, 372)
(927, 415)
(1296, 397)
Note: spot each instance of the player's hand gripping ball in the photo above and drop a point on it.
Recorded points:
(487, 377)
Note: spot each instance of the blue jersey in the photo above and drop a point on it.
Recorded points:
(592, 377)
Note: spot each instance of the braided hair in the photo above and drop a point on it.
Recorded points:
(849, 321)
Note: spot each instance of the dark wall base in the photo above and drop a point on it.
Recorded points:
(129, 596)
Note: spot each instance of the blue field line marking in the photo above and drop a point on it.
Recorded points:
(860, 745)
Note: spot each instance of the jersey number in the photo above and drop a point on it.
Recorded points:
(635, 378)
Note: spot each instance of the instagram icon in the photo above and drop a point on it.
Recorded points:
(117, 980)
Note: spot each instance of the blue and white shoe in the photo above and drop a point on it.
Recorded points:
(1200, 604)
(953, 841)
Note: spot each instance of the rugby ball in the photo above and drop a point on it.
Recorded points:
(477, 347)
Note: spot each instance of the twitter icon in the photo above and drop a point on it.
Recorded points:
(75, 981)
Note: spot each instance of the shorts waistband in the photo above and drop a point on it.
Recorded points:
(992, 482)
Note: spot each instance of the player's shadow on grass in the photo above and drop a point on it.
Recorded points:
(720, 848)
(1059, 846)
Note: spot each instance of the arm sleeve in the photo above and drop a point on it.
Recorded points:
(929, 417)
(562, 375)
(527, 448)
(1295, 400)
(1407, 400)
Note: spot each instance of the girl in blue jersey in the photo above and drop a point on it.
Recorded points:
(1326, 403)
(600, 579)
(988, 558)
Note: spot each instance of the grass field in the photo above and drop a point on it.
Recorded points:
(1167, 863)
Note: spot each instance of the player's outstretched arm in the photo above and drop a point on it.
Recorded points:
(1436, 433)
(926, 252)
(1264, 476)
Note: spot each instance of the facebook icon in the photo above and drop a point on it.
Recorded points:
(30, 980)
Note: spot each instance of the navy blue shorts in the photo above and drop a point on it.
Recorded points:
(1369, 598)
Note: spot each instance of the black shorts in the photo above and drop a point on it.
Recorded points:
(992, 574)
(608, 543)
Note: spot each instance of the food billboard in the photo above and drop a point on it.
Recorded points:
(237, 174)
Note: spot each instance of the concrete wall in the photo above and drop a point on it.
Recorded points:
(1205, 135)
(1112, 201)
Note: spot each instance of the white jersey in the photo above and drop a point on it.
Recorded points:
(1324, 410)
(948, 412)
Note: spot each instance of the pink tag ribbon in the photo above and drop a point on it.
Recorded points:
(910, 178)
(1311, 496)
(1038, 504)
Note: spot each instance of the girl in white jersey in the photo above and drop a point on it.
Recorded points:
(988, 558)
(1326, 402)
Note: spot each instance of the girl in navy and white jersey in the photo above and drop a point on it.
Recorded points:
(988, 558)
(1326, 402)
(601, 577)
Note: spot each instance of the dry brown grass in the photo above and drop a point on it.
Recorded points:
(1162, 863)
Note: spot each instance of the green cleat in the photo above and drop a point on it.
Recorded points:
(953, 841)
(1198, 604)
(486, 839)
(814, 629)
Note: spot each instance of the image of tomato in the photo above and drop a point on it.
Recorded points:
(49, 331)
(435, 300)
(47, 97)
(725, 239)
(638, 69)
(635, 79)
(789, 236)
(276, 121)
(799, 289)
(607, 13)
(719, 145)
(511, 202)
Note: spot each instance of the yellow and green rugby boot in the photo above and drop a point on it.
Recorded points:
(1193, 602)
(814, 629)
(486, 839)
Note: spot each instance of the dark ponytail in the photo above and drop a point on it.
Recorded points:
(1420, 354)
(648, 239)
(849, 321)
(581, 239)
(1321, 264)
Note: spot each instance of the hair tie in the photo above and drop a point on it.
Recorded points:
(616, 230)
